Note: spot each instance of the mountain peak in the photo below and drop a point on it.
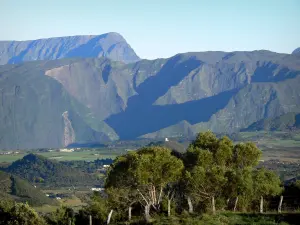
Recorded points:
(111, 45)
(296, 51)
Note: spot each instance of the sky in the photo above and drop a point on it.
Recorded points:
(160, 28)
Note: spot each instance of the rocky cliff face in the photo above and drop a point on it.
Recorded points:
(110, 45)
(69, 134)
(182, 95)
(31, 108)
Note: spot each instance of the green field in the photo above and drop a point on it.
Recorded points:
(87, 155)
(275, 145)
(283, 146)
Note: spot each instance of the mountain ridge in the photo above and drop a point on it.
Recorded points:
(210, 90)
(296, 51)
(111, 45)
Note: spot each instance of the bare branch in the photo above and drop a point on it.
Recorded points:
(143, 196)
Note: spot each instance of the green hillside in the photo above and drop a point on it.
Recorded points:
(49, 173)
(14, 188)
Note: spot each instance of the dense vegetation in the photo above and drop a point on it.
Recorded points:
(88, 167)
(41, 171)
(173, 145)
(12, 187)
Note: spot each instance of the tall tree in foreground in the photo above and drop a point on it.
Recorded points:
(207, 160)
(146, 173)
(216, 169)
(265, 183)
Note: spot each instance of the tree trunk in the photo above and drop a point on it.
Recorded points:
(129, 213)
(213, 205)
(70, 221)
(235, 203)
(147, 213)
(280, 204)
(169, 207)
(109, 216)
(261, 209)
(191, 209)
(91, 221)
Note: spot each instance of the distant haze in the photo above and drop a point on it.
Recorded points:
(156, 28)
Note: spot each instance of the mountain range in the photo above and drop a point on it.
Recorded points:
(85, 98)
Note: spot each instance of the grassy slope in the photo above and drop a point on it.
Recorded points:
(12, 187)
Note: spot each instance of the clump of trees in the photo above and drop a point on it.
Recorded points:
(18, 213)
(214, 174)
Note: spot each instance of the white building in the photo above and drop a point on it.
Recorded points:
(97, 189)
(66, 150)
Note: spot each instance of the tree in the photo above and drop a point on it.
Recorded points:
(5, 207)
(265, 183)
(98, 209)
(240, 183)
(207, 160)
(145, 173)
(216, 168)
(121, 199)
(21, 213)
(62, 216)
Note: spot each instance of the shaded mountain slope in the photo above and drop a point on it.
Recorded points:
(97, 99)
(288, 121)
(35, 111)
(182, 128)
(37, 169)
(296, 51)
(255, 102)
(111, 45)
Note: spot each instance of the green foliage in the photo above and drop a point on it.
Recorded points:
(42, 171)
(220, 219)
(88, 166)
(149, 165)
(20, 214)
(246, 155)
(218, 168)
(13, 187)
(98, 209)
(62, 216)
(266, 183)
(141, 176)
(28, 193)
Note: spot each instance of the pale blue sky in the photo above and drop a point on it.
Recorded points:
(160, 28)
